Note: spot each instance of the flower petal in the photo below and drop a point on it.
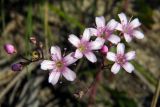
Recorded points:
(111, 56)
(47, 65)
(74, 40)
(135, 23)
(78, 54)
(93, 31)
(55, 50)
(100, 21)
(69, 74)
(114, 39)
(86, 35)
(130, 55)
(128, 67)
(119, 27)
(112, 24)
(120, 48)
(69, 59)
(97, 44)
(123, 18)
(115, 68)
(138, 34)
(127, 37)
(91, 57)
(54, 77)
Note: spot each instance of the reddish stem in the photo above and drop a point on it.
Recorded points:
(93, 86)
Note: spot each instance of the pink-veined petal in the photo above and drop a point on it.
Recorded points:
(91, 57)
(55, 50)
(69, 74)
(111, 56)
(128, 67)
(54, 77)
(112, 24)
(130, 55)
(138, 34)
(120, 48)
(127, 37)
(93, 31)
(115, 68)
(119, 27)
(135, 23)
(47, 65)
(114, 39)
(123, 18)
(78, 54)
(97, 44)
(74, 40)
(86, 34)
(100, 21)
(69, 59)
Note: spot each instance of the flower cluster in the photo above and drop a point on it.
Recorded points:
(104, 33)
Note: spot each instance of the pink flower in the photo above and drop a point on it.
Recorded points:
(9, 48)
(128, 28)
(58, 65)
(105, 31)
(121, 59)
(84, 46)
(104, 49)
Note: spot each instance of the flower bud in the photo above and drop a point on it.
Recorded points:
(17, 67)
(9, 48)
(33, 40)
(104, 49)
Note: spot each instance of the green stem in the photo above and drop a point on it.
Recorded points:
(157, 94)
(46, 26)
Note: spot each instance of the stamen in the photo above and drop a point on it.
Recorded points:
(121, 59)
(59, 64)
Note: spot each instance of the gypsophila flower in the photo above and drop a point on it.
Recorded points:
(121, 59)
(84, 46)
(128, 28)
(59, 65)
(105, 31)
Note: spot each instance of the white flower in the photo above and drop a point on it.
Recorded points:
(128, 28)
(58, 65)
(105, 31)
(84, 46)
(121, 59)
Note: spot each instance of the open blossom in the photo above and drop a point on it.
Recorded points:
(121, 59)
(58, 65)
(105, 31)
(84, 46)
(128, 28)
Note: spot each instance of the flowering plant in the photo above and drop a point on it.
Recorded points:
(100, 40)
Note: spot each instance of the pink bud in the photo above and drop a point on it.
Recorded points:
(104, 49)
(9, 48)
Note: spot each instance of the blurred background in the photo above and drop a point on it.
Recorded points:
(51, 22)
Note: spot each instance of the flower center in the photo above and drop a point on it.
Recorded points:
(59, 64)
(84, 46)
(104, 32)
(127, 29)
(120, 59)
